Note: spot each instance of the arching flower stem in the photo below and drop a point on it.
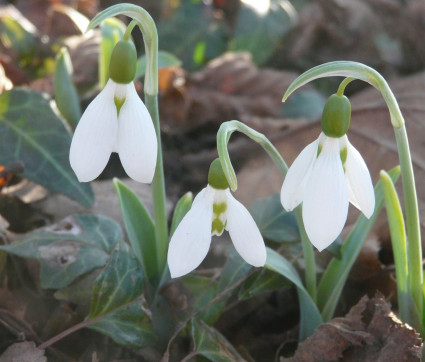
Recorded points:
(414, 247)
(223, 137)
(150, 37)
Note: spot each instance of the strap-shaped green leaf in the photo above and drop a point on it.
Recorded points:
(181, 209)
(66, 96)
(310, 315)
(140, 228)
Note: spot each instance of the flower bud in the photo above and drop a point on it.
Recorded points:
(122, 67)
(216, 176)
(336, 116)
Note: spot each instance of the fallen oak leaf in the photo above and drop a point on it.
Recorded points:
(369, 332)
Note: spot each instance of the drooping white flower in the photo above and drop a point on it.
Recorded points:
(327, 175)
(213, 211)
(104, 129)
(116, 121)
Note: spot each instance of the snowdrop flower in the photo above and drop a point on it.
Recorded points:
(327, 175)
(214, 210)
(116, 121)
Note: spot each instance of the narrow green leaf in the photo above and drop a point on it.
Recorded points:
(274, 222)
(165, 59)
(70, 248)
(213, 345)
(260, 28)
(310, 317)
(140, 228)
(398, 240)
(336, 274)
(112, 30)
(117, 304)
(261, 282)
(181, 209)
(31, 132)
(66, 96)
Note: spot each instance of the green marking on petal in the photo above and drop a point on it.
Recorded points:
(118, 103)
(219, 209)
(343, 155)
(217, 226)
(319, 149)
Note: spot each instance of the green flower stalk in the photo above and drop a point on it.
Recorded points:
(354, 70)
(150, 37)
(327, 175)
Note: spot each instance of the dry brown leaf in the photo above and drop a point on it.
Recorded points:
(329, 30)
(84, 52)
(48, 21)
(230, 87)
(369, 332)
(382, 34)
(23, 352)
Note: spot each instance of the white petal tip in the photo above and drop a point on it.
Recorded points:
(177, 273)
(260, 261)
(322, 244)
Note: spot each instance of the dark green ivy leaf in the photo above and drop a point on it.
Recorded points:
(70, 248)
(118, 307)
(213, 345)
(31, 132)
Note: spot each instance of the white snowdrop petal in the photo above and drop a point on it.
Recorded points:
(293, 187)
(95, 136)
(359, 181)
(191, 241)
(244, 233)
(137, 143)
(325, 204)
